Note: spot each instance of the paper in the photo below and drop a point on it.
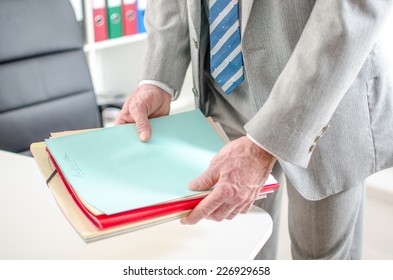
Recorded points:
(112, 170)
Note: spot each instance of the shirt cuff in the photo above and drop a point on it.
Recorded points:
(172, 92)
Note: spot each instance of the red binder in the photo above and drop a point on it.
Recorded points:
(100, 20)
(103, 221)
(130, 24)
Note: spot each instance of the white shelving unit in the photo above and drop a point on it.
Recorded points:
(95, 46)
(114, 64)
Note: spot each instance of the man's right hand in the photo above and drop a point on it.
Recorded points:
(146, 102)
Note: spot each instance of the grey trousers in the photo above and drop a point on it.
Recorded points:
(330, 228)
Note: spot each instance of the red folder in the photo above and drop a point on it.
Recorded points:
(103, 221)
(130, 24)
(100, 20)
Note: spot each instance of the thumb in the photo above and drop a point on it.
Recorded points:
(142, 125)
(205, 181)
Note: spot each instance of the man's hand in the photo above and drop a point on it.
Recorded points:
(238, 172)
(147, 102)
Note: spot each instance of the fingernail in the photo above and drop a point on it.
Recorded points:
(143, 136)
(193, 185)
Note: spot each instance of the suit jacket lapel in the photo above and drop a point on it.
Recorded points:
(194, 9)
(246, 6)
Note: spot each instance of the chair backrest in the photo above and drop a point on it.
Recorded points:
(45, 84)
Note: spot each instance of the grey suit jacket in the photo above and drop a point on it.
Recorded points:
(318, 79)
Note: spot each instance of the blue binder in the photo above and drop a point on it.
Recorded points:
(141, 7)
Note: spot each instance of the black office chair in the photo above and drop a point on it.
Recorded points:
(45, 84)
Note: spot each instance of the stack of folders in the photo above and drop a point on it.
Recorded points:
(117, 18)
(106, 181)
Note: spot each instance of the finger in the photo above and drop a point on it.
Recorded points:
(239, 203)
(223, 212)
(246, 208)
(231, 208)
(205, 181)
(247, 205)
(233, 214)
(140, 115)
(123, 118)
(243, 209)
(207, 206)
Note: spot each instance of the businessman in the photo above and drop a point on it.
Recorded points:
(300, 87)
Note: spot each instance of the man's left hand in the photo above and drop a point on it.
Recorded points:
(238, 173)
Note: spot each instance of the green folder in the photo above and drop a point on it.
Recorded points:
(113, 171)
(115, 25)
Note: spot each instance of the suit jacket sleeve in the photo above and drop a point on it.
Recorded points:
(167, 54)
(327, 58)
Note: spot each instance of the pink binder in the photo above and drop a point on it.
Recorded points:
(130, 25)
(100, 20)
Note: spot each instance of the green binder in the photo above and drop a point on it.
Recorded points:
(115, 25)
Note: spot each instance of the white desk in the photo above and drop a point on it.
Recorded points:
(33, 227)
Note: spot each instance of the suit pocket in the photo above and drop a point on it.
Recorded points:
(380, 104)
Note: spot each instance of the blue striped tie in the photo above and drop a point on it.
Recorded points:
(226, 59)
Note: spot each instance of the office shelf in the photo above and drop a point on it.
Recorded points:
(114, 63)
(110, 43)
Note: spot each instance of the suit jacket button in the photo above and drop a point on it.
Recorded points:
(196, 45)
(195, 91)
(312, 148)
(325, 128)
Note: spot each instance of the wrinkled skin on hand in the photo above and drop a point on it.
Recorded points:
(238, 172)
